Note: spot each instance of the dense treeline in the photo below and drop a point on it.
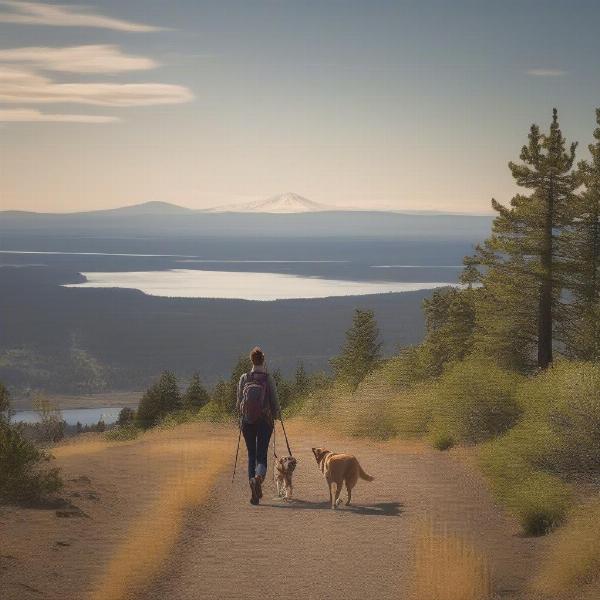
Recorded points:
(166, 403)
(81, 341)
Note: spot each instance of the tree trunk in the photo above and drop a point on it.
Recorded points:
(545, 305)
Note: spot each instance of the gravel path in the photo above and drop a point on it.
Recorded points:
(304, 550)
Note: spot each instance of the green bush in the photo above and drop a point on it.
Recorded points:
(566, 398)
(411, 366)
(213, 413)
(473, 401)
(176, 418)
(541, 502)
(319, 402)
(442, 440)
(122, 433)
(514, 463)
(24, 477)
(369, 412)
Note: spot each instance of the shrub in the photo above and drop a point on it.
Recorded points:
(378, 410)
(213, 413)
(512, 462)
(567, 398)
(23, 477)
(122, 433)
(410, 367)
(319, 402)
(474, 400)
(51, 427)
(540, 501)
(442, 440)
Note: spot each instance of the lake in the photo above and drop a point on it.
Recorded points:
(86, 416)
(244, 285)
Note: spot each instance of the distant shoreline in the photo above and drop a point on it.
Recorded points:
(81, 401)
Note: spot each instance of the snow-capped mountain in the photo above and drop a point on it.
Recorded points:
(282, 203)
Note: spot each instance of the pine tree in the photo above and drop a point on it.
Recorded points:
(4, 402)
(196, 395)
(149, 408)
(285, 389)
(301, 381)
(221, 396)
(516, 311)
(581, 247)
(362, 350)
(170, 396)
(159, 400)
(450, 324)
(126, 416)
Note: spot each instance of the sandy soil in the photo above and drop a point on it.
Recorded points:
(303, 549)
(116, 489)
(159, 518)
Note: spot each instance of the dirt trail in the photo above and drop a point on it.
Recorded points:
(305, 550)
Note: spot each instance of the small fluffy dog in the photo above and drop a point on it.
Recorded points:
(284, 469)
(339, 469)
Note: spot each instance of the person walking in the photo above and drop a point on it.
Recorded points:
(258, 407)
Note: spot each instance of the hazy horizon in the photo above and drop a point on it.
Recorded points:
(380, 105)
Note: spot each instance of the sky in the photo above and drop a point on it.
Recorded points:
(404, 105)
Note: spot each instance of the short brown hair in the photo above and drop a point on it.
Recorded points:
(257, 356)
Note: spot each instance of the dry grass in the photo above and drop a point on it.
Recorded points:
(448, 568)
(573, 559)
(150, 539)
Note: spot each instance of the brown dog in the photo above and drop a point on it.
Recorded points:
(339, 469)
(284, 469)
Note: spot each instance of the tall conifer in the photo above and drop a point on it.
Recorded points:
(522, 279)
(581, 247)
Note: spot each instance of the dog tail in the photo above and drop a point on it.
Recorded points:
(364, 475)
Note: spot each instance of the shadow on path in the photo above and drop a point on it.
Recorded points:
(383, 509)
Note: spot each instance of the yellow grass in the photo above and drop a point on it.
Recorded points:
(150, 539)
(448, 567)
(573, 559)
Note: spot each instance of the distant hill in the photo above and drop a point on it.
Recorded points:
(146, 208)
(288, 215)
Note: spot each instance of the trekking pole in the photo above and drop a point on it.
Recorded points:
(286, 437)
(274, 453)
(237, 452)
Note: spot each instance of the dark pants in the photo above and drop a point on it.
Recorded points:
(257, 436)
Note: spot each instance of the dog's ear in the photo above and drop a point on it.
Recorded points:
(319, 453)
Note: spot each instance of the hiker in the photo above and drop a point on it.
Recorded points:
(258, 407)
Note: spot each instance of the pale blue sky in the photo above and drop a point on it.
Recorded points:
(406, 105)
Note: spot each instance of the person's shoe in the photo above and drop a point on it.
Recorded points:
(259, 481)
(254, 489)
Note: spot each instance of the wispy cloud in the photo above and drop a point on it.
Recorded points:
(97, 58)
(25, 115)
(546, 72)
(60, 15)
(27, 87)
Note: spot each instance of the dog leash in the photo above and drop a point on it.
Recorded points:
(274, 455)
(285, 435)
